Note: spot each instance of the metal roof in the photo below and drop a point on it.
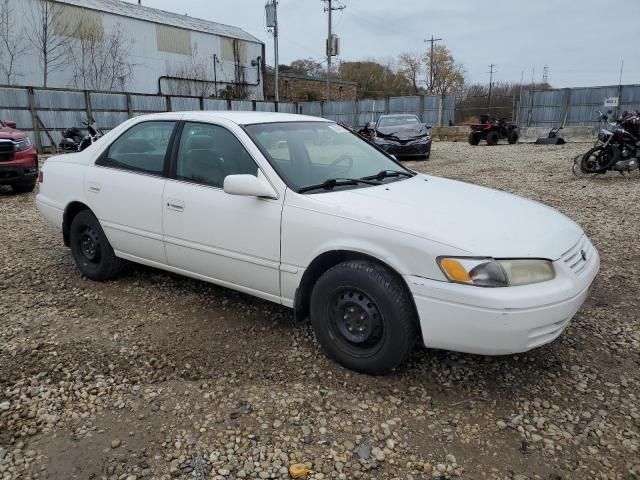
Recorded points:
(141, 12)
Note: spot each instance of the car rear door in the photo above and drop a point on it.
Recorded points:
(231, 240)
(125, 187)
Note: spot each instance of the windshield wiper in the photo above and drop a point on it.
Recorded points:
(337, 182)
(387, 174)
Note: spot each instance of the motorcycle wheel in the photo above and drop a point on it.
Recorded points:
(599, 159)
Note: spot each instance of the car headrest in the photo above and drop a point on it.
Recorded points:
(200, 142)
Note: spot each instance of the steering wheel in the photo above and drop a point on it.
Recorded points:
(342, 158)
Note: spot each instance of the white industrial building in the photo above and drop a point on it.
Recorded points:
(150, 50)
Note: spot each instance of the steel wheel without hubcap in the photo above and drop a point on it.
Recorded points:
(91, 249)
(90, 245)
(356, 323)
(363, 316)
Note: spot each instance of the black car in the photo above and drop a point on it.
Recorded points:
(402, 136)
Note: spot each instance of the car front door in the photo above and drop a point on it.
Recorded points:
(231, 240)
(125, 186)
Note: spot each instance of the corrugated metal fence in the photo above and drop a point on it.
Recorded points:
(45, 113)
(579, 105)
(430, 109)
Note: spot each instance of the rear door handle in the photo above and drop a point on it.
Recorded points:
(94, 187)
(175, 205)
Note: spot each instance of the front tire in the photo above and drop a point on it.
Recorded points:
(91, 250)
(474, 139)
(364, 317)
(492, 138)
(513, 137)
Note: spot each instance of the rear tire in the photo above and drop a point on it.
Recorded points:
(23, 188)
(91, 250)
(492, 138)
(513, 137)
(474, 139)
(364, 317)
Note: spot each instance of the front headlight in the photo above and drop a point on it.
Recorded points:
(23, 144)
(487, 272)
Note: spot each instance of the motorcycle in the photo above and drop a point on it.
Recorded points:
(617, 147)
(73, 140)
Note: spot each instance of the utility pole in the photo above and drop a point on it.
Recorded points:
(331, 51)
(272, 22)
(431, 79)
(491, 72)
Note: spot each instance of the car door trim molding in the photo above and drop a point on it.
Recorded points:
(262, 262)
(163, 266)
(134, 231)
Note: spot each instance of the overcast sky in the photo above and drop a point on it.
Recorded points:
(582, 41)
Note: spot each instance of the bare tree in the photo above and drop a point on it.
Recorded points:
(45, 19)
(411, 67)
(448, 76)
(12, 44)
(100, 61)
(192, 78)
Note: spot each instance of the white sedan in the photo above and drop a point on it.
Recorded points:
(303, 212)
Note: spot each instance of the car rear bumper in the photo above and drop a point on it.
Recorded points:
(500, 321)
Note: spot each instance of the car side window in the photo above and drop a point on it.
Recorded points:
(209, 153)
(142, 148)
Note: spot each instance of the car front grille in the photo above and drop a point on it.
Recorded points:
(580, 256)
(7, 150)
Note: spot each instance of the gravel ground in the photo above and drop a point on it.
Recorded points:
(159, 376)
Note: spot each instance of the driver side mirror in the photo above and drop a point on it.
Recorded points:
(248, 186)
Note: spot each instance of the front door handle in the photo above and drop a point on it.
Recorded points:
(94, 187)
(175, 205)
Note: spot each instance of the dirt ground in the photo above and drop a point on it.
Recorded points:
(159, 376)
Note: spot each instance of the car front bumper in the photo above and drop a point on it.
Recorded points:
(20, 169)
(414, 149)
(18, 175)
(501, 321)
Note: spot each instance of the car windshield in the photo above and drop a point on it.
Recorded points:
(398, 121)
(316, 153)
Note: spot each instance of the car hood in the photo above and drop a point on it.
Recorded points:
(11, 134)
(478, 220)
(403, 133)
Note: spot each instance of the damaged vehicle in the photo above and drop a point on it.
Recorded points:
(18, 159)
(305, 213)
(403, 136)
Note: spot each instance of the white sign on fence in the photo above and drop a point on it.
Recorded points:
(611, 102)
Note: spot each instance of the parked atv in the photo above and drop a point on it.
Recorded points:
(493, 130)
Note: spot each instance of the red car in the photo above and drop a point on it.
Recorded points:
(18, 159)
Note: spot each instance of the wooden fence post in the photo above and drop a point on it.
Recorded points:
(129, 106)
(168, 100)
(87, 103)
(201, 103)
(34, 119)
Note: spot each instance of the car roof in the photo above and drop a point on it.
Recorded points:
(399, 115)
(244, 118)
